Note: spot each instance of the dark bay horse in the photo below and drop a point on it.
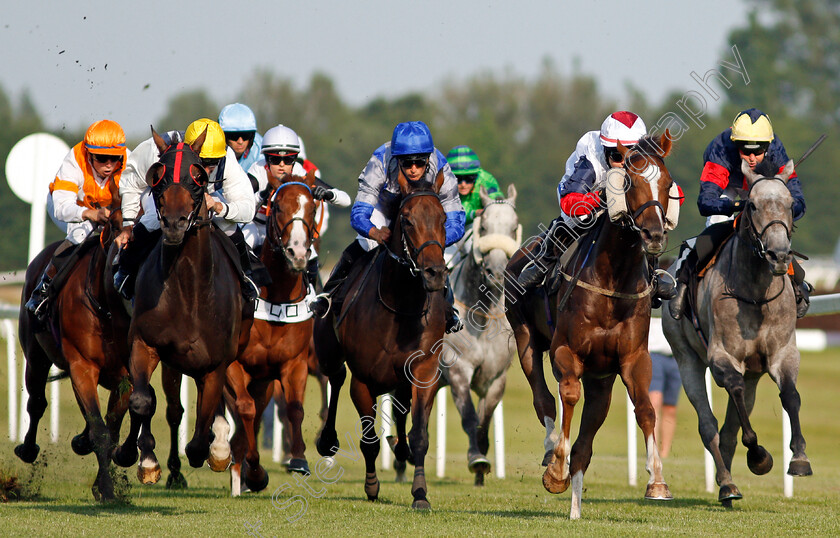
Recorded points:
(187, 312)
(601, 319)
(390, 332)
(85, 335)
(478, 357)
(746, 310)
(281, 334)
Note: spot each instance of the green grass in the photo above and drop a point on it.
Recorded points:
(517, 505)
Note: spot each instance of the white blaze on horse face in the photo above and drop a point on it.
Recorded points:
(297, 235)
(652, 173)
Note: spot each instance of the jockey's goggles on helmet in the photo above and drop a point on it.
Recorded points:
(104, 159)
(276, 160)
(233, 136)
(210, 162)
(413, 160)
(467, 178)
(752, 148)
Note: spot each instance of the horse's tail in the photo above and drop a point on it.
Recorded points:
(63, 374)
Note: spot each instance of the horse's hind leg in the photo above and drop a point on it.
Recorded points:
(369, 442)
(800, 465)
(486, 407)
(556, 477)
(37, 371)
(293, 379)
(327, 440)
(209, 413)
(596, 405)
(171, 381)
(531, 360)
(460, 377)
(117, 408)
(402, 452)
(636, 376)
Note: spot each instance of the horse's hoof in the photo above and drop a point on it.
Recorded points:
(728, 494)
(658, 491)
(371, 486)
(401, 478)
(125, 456)
(800, 468)
(148, 475)
(176, 481)
(479, 480)
(27, 453)
(555, 484)
(759, 460)
(81, 444)
(547, 458)
(479, 464)
(327, 444)
(421, 504)
(100, 495)
(258, 484)
(217, 465)
(298, 465)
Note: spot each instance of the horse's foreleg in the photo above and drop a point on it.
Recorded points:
(531, 360)
(238, 380)
(402, 453)
(369, 442)
(142, 405)
(486, 407)
(198, 450)
(171, 381)
(327, 440)
(732, 422)
(37, 371)
(418, 438)
(283, 418)
(556, 477)
(117, 408)
(800, 465)
(460, 377)
(293, 379)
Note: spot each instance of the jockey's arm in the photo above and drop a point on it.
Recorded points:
(239, 205)
(339, 197)
(456, 217)
(371, 182)
(713, 181)
(133, 180)
(575, 191)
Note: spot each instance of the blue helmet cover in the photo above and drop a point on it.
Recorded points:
(410, 138)
(236, 118)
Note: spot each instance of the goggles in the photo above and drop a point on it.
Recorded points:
(280, 159)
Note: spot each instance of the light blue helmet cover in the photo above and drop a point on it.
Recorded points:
(410, 138)
(237, 117)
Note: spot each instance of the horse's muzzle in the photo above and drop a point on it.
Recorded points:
(173, 234)
(434, 277)
(779, 261)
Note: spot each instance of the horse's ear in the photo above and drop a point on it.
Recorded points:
(786, 172)
(484, 197)
(438, 181)
(621, 149)
(159, 142)
(511, 195)
(310, 178)
(749, 174)
(665, 144)
(198, 142)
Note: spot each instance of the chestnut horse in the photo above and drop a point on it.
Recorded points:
(187, 311)
(85, 335)
(390, 332)
(602, 321)
(280, 336)
(746, 308)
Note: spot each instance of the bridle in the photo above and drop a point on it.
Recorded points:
(630, 220)
(160, 186)
(274, 230)
(410, 251)
(756, 237)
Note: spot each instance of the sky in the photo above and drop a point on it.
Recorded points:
(87, 60)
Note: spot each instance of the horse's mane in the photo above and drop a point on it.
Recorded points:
(648, 145)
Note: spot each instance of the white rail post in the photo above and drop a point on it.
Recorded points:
(710, 462)
(631, 444)
(11, 361)
(23, 421)
(385, 420)
(787, 454)
(499, 439)
(182, 427)
(441, 433)
(277, 435)
(55, 405)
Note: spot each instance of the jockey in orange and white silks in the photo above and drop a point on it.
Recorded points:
(79, 198)
(80, 187)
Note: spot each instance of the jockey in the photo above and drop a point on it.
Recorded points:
(471, 177)
(229, 195)
(281, 151)
(240, 127)
(750, 139)
(412, 150)
(78, 198)
(580, 190)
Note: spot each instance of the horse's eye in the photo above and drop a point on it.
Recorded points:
(751, 206)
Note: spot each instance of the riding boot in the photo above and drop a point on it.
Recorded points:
(802, 291)
(39, 301)
(323, 301)
(131, 257)
(312, 273)
(249, 281)
(664, 287)
(536, 270)
(677, 305)
(453, 322)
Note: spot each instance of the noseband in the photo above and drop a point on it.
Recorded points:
(650, 203)
(756, 237)
(410, 251)
(275, 230)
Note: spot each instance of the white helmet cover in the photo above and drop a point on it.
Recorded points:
(280, 140)
(624, 127)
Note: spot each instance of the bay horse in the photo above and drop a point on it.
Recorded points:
(479, 356)
(601, 318)
(84, 334)
(279, 345)
(745, 315)
(390, 332)
(188, 312)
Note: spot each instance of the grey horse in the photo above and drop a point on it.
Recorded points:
(479, 356)
(746, 312)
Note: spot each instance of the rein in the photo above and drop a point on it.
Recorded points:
(276, 231)
(755, 236)
(410, 251)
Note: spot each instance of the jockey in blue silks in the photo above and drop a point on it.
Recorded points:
(411, 150)
(751, 140)
(240, 127)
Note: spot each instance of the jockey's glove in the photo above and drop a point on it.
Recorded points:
(322, 193)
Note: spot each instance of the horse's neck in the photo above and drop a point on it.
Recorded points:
(398, 285)
(744, 269)
(286, 284)
(617, 258)
(192, 259)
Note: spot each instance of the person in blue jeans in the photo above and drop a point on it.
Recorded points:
(665, 387)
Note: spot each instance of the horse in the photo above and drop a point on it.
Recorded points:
(279, 345)
(188, 313)
(478, 357)
(398, 295)
(741, 326)
(601, 318)
(84, 334)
